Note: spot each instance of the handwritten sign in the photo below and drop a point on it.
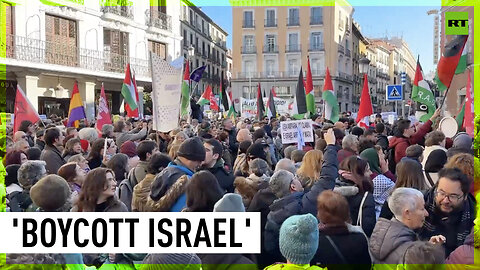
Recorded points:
(290, 131)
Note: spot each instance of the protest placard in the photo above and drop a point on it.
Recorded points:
(290, 132)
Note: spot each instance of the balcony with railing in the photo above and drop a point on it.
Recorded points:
(348, 52)
(270, 23)
(249, 49)
(293, 21)
(316, 47)
(159, 20)
(122, 11)
(316, 20)
(341, 48)
(270, 49)
(293, 48)
(248, 24)
(44, 52)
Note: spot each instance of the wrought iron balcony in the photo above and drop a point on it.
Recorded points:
(43, 52)
(270, 49)
(293, 48)
(316, 20)
(248, 24)
(249, 49)
(270, 22)
(293, 21)
(159, 20)
(123, 11)
(316, 47)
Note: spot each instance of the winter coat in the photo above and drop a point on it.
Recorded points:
(355, 198)
(238, 164)
(133, 135)
(168, 189)
(232, 142)
(95, 163)
(298, 203)
(456, 227)
(400, 144)
(53, 158)
(466, 253)
(138, 173)
(345, 153)
(225, 178)
(382, 140)
(113, 206)
(226, 262)
(248, 187)
(350, 241)
(141, 194)
(390, 240)
(40, 144)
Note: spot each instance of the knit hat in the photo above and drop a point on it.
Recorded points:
(129, 148)
(256, 151)
(50, 193)
(462, 140)
(12, 174)
(84, 144)
(299, 238)
(171, 262)
(436, 160)
(192, 149)
(231, 202)
(30, 172)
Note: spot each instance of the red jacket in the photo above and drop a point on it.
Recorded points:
(401, 143)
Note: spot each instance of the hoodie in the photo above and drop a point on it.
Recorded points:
(401, 143)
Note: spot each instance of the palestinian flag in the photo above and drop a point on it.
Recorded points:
(260, 105)
(231, 109)
(300, 101)
(366, 109)
(185, 107)
(310, 95)
(271, 110)
(460, 117)
(223, 97)
(449, 61)
(206, 96)
(462, 63)
(330, 99)
(421, 93)
(129, 89)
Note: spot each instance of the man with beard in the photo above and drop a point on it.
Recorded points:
(215, 164)
(451, 209)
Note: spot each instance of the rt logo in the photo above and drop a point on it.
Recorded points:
(456, 23)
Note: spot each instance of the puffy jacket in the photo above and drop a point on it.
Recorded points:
(141, 193)
(299, 203)
(401, 143)
(390, 240)
(355, 198)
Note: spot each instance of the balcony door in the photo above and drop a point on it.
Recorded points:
(158, 48)
(61, 41)
(115, 47)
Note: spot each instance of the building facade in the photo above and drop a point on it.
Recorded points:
(271, 44)
(48, 48)
(209, 43)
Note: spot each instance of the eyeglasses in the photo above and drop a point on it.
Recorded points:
(451, 197)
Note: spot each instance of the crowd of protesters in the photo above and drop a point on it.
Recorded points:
(385, 196)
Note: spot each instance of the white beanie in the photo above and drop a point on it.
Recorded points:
(231, 202)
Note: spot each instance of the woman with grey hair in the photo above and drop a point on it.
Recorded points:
(29, 174)
(391, 239)
(349, 147)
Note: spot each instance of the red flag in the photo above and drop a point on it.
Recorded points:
(366, 109)
(23, 110)
(468, 118)
(103, 116)
(213, 102)
(133, 113)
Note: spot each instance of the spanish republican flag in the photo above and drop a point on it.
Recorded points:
(76, 111)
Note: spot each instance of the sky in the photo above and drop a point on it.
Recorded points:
(412, 23)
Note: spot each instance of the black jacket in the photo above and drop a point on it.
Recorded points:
(354, 198)
(351, 243)
(382, 140)
(232, 142)
(299, 203)
(225, 178)
(40, 144)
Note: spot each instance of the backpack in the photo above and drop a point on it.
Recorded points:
(125, 190)
(391, 159)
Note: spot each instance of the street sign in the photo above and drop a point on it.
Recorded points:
(404, 77)
(394, 92)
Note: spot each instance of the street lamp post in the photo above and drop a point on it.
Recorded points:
(364, 65)
(191, 53)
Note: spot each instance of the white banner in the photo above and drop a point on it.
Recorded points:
(248, 107)
(166, 94)
(290, 129)
(131, 232)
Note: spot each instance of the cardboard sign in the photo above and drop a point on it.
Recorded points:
(297, 131)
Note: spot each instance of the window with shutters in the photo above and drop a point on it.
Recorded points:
(61, 41)
(115, 46)
(158, 48)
